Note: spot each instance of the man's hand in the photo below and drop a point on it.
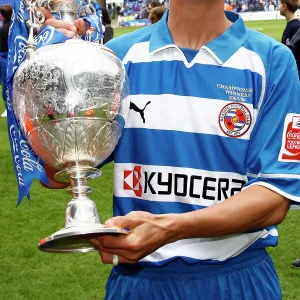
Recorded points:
(254, 207)
(68, 29)
(148, 232)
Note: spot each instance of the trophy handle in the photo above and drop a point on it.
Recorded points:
(36, 19)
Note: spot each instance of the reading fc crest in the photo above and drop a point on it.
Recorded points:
(235, 119)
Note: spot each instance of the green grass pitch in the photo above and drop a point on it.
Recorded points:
(27, 273)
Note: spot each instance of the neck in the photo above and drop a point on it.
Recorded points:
(290, 16)
(194, 23)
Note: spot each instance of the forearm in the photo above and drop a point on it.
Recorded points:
(255, 207)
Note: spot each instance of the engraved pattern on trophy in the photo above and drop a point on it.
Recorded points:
(81, 116)
(71, 101)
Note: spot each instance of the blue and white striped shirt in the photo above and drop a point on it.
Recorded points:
(200, 131)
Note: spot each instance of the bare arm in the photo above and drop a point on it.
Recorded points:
(255, 207)
(68, 29)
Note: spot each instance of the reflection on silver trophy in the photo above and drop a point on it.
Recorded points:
(71, 103)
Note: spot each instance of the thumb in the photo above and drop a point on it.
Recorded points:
(82, 26)
(130, 221)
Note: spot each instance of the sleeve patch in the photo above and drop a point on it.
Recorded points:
(290, 146)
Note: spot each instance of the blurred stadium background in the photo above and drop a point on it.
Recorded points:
(27, 273)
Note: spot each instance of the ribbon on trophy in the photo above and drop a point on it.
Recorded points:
(27, 165)
(93, 20)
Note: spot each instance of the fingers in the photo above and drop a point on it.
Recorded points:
(107, 258)
(67, 33)
(61, 25)
(111, 242)
(120, 222)
(131, 252)
(129, 255)
(82, 26)
(122, 241)
(132, 247)
(46, 13)
(131, 220)
(123, 260)
(70, 30)
(65, 28)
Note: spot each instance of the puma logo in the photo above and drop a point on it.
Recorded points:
(140, 111)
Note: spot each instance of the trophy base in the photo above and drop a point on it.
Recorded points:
(67, 240)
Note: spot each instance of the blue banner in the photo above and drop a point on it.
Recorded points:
(95, 22)
(28, 166)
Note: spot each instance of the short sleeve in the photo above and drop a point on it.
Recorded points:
(273, 158)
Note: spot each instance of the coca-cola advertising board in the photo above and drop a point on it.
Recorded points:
(290, 148)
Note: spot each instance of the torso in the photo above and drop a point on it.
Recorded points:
(291, 28)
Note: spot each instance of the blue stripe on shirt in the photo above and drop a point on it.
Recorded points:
(124, 205)
(182, 149)
(162, 76)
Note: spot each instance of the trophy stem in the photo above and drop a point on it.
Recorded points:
(81, 210)
(79, 186)
(81, 214)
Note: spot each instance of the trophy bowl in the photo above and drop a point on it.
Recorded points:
(71, 101)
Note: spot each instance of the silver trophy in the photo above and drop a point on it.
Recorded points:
(70, 100)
